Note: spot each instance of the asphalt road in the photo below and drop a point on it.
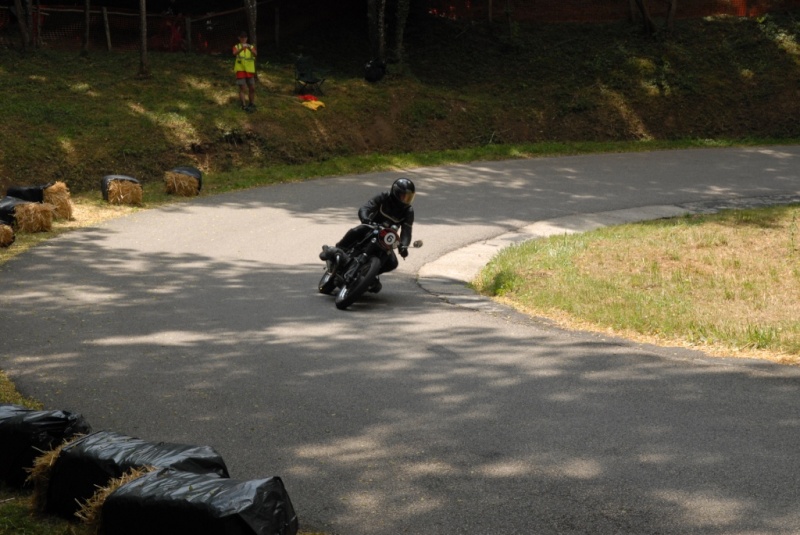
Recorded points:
(199, 323)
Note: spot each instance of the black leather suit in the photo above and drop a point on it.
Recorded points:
(382, 208)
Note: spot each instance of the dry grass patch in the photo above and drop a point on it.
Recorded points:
(728, 284)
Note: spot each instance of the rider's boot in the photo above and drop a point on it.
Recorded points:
(376, 286)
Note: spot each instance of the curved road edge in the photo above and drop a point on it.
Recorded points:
(448, 276)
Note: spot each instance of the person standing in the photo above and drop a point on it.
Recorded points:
(245, 68)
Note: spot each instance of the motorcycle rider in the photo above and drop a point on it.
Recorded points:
(391, 207)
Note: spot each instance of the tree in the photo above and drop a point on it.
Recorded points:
(251, 9)
(376, 11)
(673, 7)
(400, 19)
(87, 20)
(644, 12)
(144, 65)
(23, 26)
(379, 24)
(29, 21)
(639, 9)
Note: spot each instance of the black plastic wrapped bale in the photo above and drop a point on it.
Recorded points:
(92, 461)
(26, 216)
(193, 172)
(26, 433)
(167, 502)
(185, 181)
(28, 193)
(8, 207)
(121, 189)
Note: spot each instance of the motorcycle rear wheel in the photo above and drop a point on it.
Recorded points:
(327, 284)
(349, 293)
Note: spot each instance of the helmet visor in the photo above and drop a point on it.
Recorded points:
(405, 197)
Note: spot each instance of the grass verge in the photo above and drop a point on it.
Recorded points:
(727, 283)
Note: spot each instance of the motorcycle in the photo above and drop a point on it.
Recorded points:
(351, 273)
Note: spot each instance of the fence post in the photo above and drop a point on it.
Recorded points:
(188, 34)
(108, 29)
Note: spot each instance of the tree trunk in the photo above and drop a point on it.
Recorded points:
(87, 20)
(37, 41)
(251, 9)
(647, 20)
(372, 28)
(634, 10)
(382, 30)
(31, 27)
(144, 64)
(401, 17)
(509, 10)
(23, 27)
(673, 7)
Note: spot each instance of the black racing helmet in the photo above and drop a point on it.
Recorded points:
(403, 190)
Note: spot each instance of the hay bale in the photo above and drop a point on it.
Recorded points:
(121, 189)
(6, 235)
(124, 192)
(169, 501)
(34, 217)
(91, 510)
(26, 433)
(182, 184)
(58, 195)
(92, 461)
(40, 474)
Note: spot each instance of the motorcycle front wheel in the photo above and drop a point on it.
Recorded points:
(350, 292)
(327, 284)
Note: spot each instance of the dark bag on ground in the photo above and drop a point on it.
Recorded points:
(26, 433)
(374, 70)
(92, 461)
(167, 502)
(28, 193)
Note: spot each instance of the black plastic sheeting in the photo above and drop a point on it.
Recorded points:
(26, 433)
(168, 502)
(28, 193)
(110, 178)
(92, 461)
(8, 206)
(193, 172)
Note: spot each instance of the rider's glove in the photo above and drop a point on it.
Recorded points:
(403, 251)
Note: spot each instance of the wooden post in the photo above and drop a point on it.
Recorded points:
(188, 29)
(108, 29)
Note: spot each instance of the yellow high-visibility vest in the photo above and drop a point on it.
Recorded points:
(245, 60)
